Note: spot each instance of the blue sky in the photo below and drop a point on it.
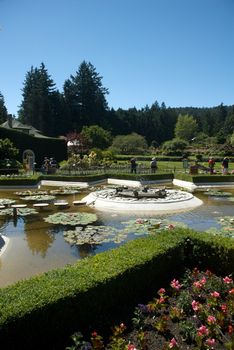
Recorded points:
(180, 52)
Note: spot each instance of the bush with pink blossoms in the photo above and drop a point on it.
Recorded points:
(194, 313)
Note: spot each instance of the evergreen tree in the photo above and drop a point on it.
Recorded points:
(85, 97)
(3, 110)
(38, 105)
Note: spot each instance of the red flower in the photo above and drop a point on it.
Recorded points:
(94, 334)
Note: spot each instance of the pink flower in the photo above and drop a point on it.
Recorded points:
(131, 347)
(203, 330)
(224, 308)
(227, 280)
(211, 319)
(195, 305)
(171, 227)
(139, 221)
(203, 281)
(215, 294)
(197, 284)
(173, 343)
(161, 291)
(94, 334)
(122, 326)
(161, 300)
(210, 342)
(176, 284)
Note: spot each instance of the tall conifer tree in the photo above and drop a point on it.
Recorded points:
(85, 97)
(3, 110)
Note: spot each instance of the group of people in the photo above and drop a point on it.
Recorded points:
(225, 163)
(153, 165)
(49, 165)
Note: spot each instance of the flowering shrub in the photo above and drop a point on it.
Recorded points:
(196, 313)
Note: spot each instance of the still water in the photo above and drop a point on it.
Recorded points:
(36, 246)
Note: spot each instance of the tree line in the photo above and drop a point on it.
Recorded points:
(82, 102)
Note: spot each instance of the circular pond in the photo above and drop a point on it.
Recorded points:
(37, 244)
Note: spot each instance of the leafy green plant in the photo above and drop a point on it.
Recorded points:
(72, 219)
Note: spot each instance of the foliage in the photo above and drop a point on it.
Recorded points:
(20, 211)
(8, 151)
(186, 127)
(77, 294)
(129, 144)
(38, 107)
(75, 161)
(50, 147)
(3, 110)
(6, 201)
(71, 219)
(174, 145)
(97, 136)
(85, 97)
(39, 198)
(78, 143)
(93, 235)
(204, 307)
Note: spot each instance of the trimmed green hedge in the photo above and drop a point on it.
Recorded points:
(204, 178)
(20, 181)
(98, 291)
(42, 147)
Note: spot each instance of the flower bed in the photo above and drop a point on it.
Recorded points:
(196, 313)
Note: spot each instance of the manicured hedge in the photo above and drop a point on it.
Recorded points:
(50, 147)
(204, 178)
(98, 291)
(20, 181)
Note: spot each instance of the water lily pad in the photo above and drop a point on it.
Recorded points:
(90, 235)
(31, 193)
(147, 226)
(5, 201)
(72, 219)
(39, 198)
(20, 211)
(64, 191)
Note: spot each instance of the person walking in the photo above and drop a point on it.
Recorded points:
(225, 163)
(211, 164)
(133, 165)
(153, 165)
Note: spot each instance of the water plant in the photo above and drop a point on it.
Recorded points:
(142, 226)
(5, 201)
(39, 198)
(92, 235)
(72, 219)
(64, 191)
(30, 193)
(20, 211)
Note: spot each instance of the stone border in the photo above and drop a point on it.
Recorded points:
(131, 205)
(3, 249)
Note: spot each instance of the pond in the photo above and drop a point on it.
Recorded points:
(36, 246)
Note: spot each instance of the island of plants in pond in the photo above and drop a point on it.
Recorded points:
(71, 219)
(194, 313)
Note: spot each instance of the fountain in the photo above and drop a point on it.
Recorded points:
(142, 199)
